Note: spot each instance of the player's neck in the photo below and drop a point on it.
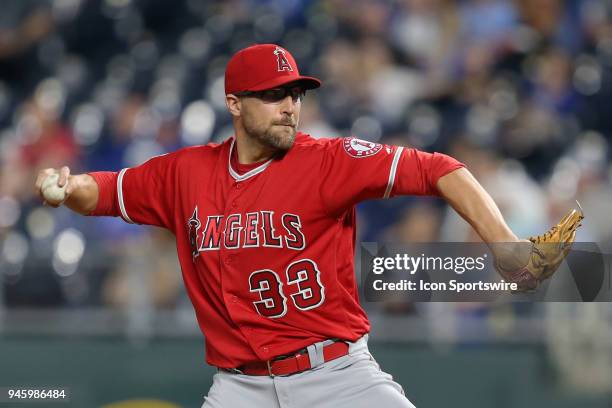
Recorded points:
(251, 150)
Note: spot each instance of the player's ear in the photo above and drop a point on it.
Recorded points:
(233, 104)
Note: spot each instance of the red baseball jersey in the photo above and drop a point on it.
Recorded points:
(267, 254)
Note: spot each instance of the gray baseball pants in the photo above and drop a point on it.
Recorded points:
(352, 381)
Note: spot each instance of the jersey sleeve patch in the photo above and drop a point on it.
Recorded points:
(358, 148)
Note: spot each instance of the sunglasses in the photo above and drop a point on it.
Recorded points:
(276, 95)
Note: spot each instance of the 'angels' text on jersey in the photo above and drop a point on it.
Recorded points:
(250, 230)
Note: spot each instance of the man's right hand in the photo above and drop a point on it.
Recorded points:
(81, 190)
(64, 179)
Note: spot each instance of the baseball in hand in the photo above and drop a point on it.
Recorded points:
(53, 193)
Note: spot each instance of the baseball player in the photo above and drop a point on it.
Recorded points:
(265, 232)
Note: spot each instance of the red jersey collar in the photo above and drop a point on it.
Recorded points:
(250, 173)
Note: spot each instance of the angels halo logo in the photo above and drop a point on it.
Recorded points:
(360, 148)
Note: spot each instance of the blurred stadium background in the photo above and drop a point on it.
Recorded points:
(518, 90)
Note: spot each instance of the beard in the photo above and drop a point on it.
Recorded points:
(278, 136)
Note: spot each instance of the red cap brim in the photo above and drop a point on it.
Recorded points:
(306, 81)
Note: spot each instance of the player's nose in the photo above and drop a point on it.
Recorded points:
(288, 105)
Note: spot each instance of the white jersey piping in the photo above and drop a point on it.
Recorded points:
(393, 171)
(248, 174)
(120, 196)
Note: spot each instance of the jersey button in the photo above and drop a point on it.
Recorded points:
(234, 204)
(265, 350)
(228, 260)
(238, 186)
(234, 299)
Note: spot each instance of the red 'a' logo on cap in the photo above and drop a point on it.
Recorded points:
(281, 59)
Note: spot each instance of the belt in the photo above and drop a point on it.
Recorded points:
(294, 364)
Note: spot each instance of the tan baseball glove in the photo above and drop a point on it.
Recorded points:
(547, 252)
